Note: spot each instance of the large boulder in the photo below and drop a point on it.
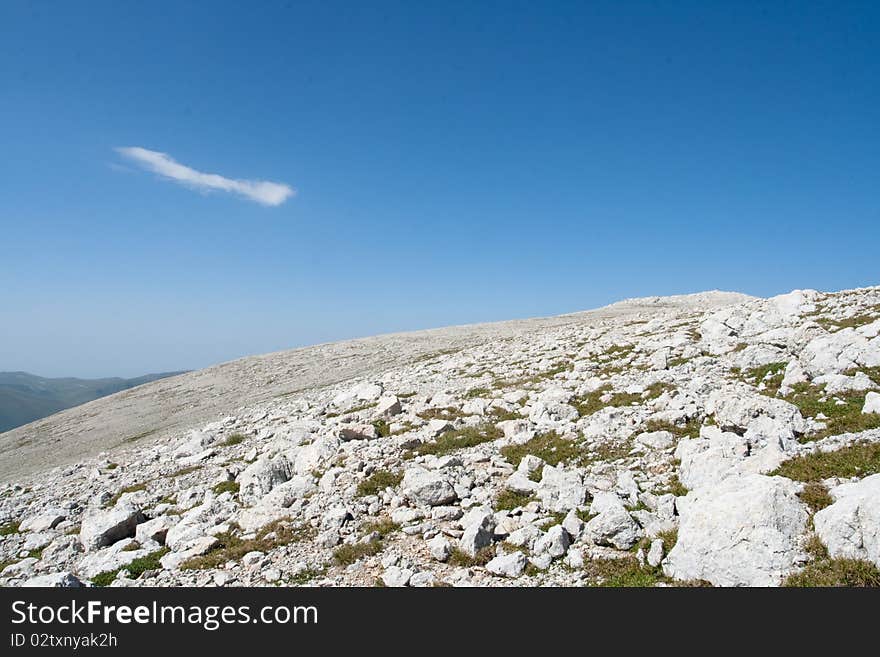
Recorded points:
(102, 527)
(426, 487)
(734, 409)
(262, 476)
(561, 490)
(613, 525)
(745, 531)
(850, 527)
(479, 526)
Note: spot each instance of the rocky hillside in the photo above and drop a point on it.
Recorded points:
(705, 440)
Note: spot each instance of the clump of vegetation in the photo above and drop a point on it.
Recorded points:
(136, 568)
(508, 500)
(676, 362)
(674, 486)
(770, 374)
(383, 526)
(379, 481)
(845, 417)
(656, 389)
(690, 429)
(832, 324)
(549, 447)
(382, 428)
(452, 441)
(836, 572)
(226, 487)
(347, 554)
(669, 538)
(858, 460)
(498, 414)
(446, 413)
(474, 393)
(622, 572)
(9, 528)
(232, 547)
(306, 576)
(815, 496)
(593, 401)
(462, 559)
(233, 439)
(608, 450)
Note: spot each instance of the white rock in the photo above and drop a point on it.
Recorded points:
(154, 530)
(850, 527)
(656, 439)
(479, 525)
(54, 580)
(427, 487)
(440, 547)
(358, 432)
(554, 542)
(613, 525)
(100, 527)
(44, 521)
(561, 490)
(872, 403)
(262, 476)
(508, 565)
(655, 553)
(396, 576)
(388, 406)
(745, 531)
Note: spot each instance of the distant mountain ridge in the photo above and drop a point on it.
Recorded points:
(26, 397)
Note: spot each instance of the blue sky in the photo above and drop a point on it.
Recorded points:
(448, 163)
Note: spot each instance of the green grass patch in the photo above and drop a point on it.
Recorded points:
(550, 447)
(462, 559)
(378, 482)
(226, 487)
(382, 428)
(306, 576)
(383, 526)
(841, 418)
(624, 572)
(446, 413)
(136, 568)
(858, 460)
(690, 429)
(452, 441)
(232, 547)
(508, 500)
(474, 393)
(9, 528)
(185, 471)
(347, 554)
(815, 496)
(771, 374)
(673, 486)
(836, 572)
(233, 439)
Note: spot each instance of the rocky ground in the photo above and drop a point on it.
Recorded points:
(715, 440)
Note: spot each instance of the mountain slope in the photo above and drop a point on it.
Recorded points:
(161, 408)
(25, 397)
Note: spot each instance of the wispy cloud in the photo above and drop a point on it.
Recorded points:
(260, 191)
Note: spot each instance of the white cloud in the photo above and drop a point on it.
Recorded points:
(260, 191)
